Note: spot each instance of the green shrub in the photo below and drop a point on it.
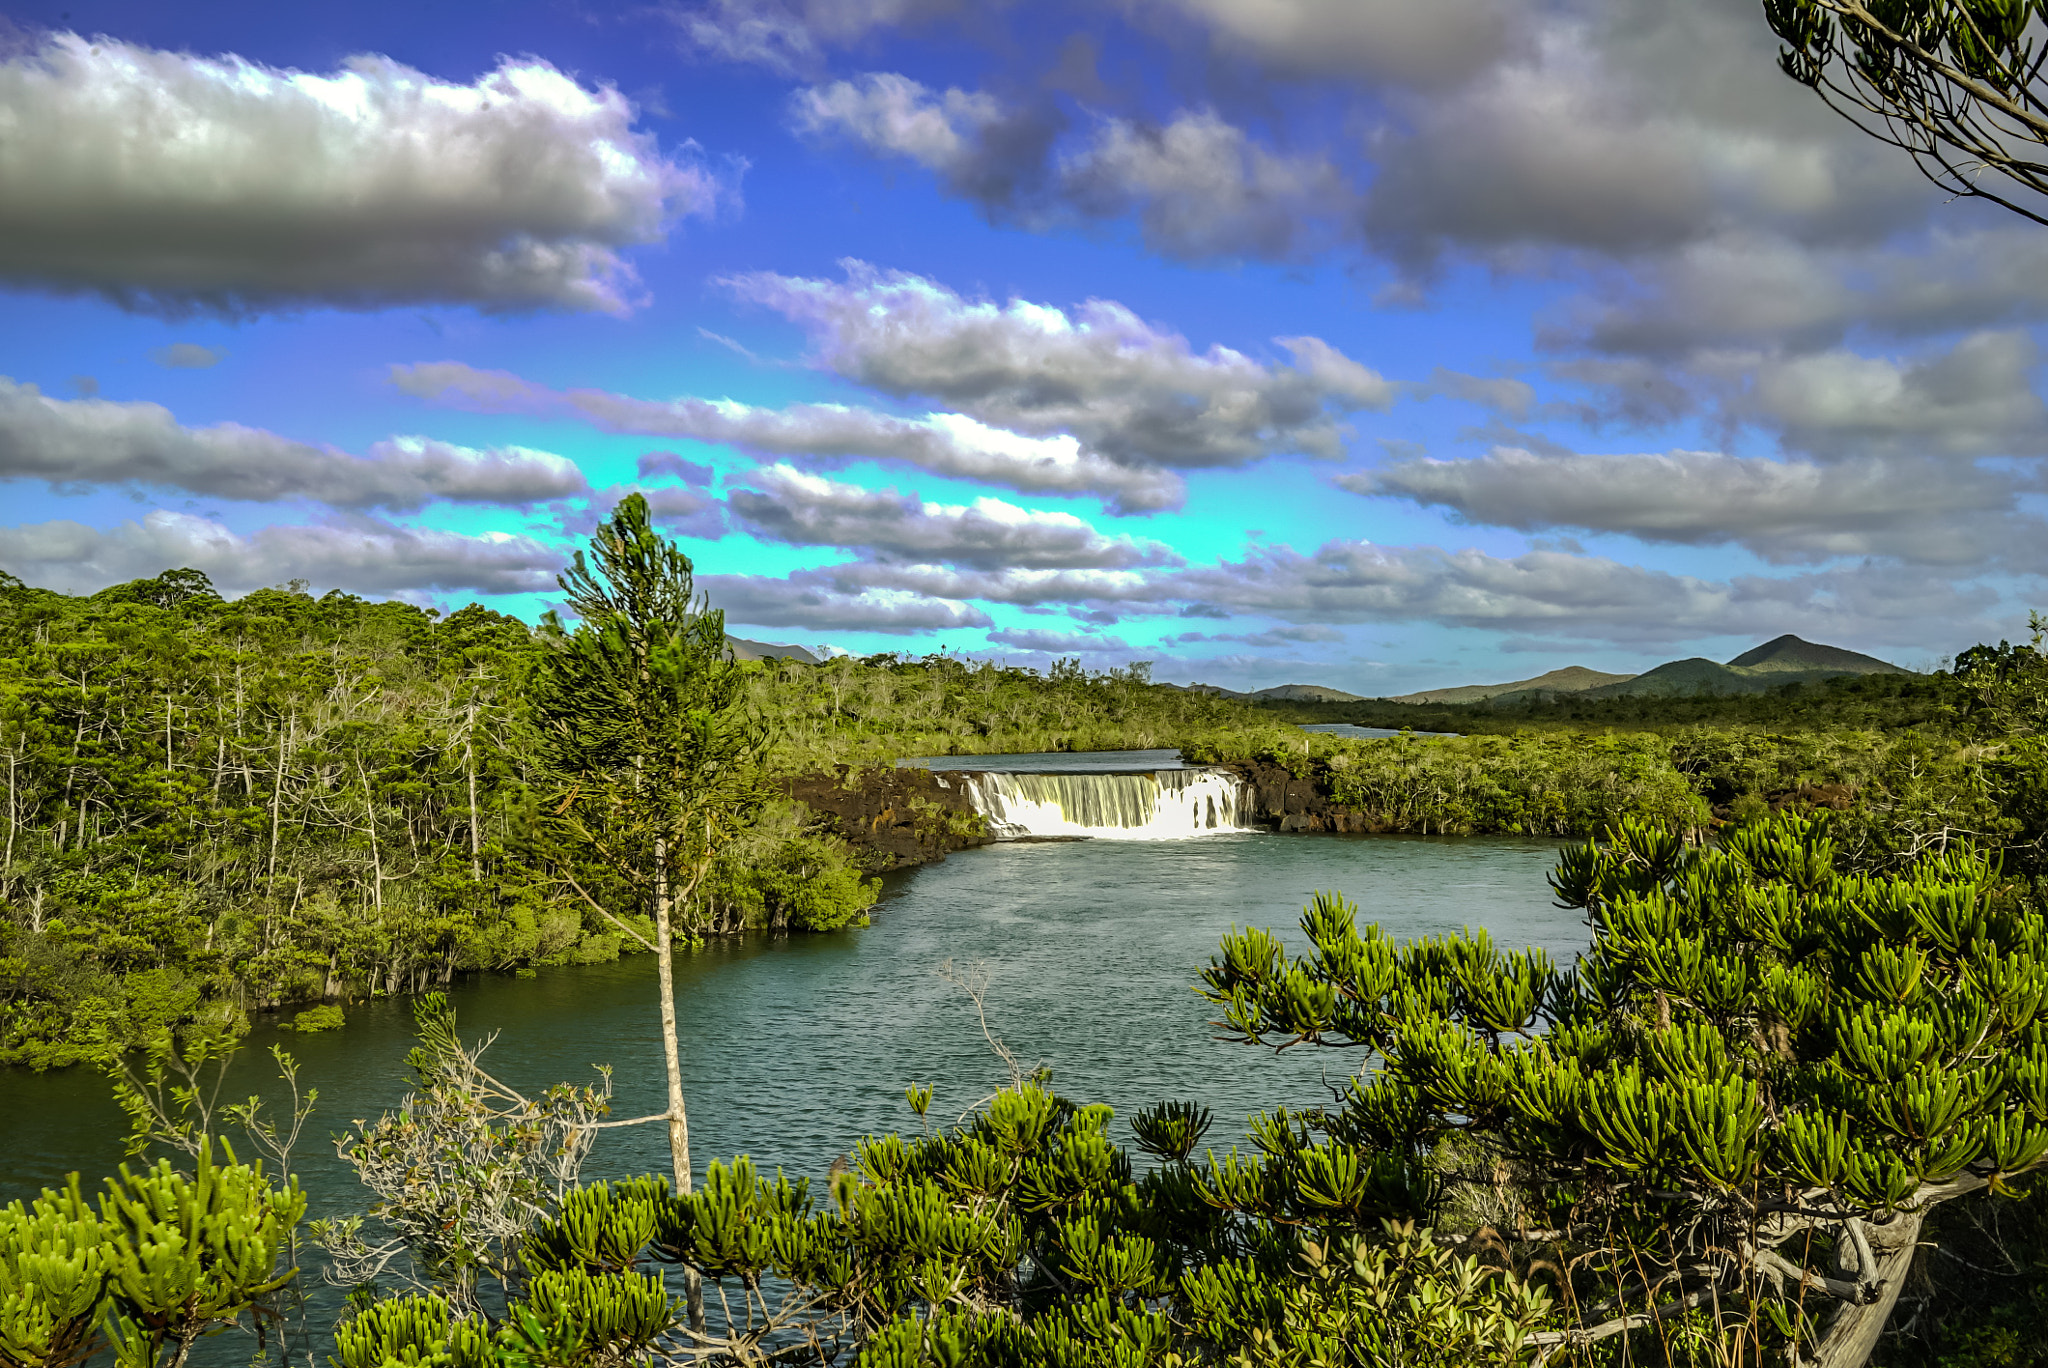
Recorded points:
(327, 1018)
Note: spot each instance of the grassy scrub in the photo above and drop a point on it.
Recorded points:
(876, 710)
(1896, 793)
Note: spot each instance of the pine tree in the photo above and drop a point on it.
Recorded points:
(644, 722)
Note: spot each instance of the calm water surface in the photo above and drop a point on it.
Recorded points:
(795, 1048)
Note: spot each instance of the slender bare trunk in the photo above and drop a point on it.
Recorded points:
(277, 791)
(7, 862)
(476, 862)
(376, 853)
(671, 1044)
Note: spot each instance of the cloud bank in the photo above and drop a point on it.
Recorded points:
(168, 182)
(75, 442)
(364, 556)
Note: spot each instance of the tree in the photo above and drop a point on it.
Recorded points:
(1950, 82)
(643, 720)
(1729, 1119)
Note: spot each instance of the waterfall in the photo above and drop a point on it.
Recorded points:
(1160, 806)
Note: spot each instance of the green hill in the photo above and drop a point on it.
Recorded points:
(1788, 652)
(1786, 660)
(1305, 693)
(1571, 679)
(742, 649)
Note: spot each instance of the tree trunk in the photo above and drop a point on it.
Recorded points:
(1853, 1334)
(476, 835)
(671, 1045)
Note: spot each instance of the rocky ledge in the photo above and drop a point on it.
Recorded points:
(895, 817)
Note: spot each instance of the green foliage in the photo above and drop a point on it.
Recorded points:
(643, 718)
(882, 708)
(327, 1018)
(212, 807)
(166, 1258)
(1950, 82)
(1760, 1056)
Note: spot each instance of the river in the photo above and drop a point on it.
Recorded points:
(796, 1047)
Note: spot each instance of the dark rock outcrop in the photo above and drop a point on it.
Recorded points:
(895, 817)
(1288, 802)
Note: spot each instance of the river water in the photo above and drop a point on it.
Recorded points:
(796, 1047)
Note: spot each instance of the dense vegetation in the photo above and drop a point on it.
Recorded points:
(876, 709)
(217, 808)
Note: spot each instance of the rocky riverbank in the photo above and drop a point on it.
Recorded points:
(895, 817)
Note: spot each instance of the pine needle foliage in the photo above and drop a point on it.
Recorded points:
(642, 713)
(1738, 1106)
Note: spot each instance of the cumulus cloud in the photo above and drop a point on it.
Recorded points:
(948, 444)
(1055, 643)
(1920, 510)
(809, 600)
(1504, 395)
(168, 182)
(187, 356)
(790, 506)
(669, 463)
(979, 148)
(1976, 399)
(1746, 290)
(364, 556)
(1126, 389)
(1606, 130)
(74, 442)
(1199, 186)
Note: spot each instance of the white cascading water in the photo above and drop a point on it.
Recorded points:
(1161, 806)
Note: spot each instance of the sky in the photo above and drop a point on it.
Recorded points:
(1381, 344)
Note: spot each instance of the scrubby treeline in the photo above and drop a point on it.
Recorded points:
(880, 708)
(218, 808)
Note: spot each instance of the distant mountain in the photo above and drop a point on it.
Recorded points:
(1787, 660)
(742, 649)
(1306, 693)
(1788, 652)
(1571, 679)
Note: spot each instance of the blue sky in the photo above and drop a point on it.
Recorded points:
(1376, 343)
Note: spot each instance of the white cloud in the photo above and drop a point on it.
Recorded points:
(789, 36)
(947, 444)
(1977, 399)
(169, 182)
(71, 442)
(1590, 597)
(808, 599)
(362, 556)
(1056, 643)
(1127, 390)
(1921, 510)
(806, 510)
(1201, 188)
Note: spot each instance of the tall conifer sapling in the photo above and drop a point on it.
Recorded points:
(644, 723)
